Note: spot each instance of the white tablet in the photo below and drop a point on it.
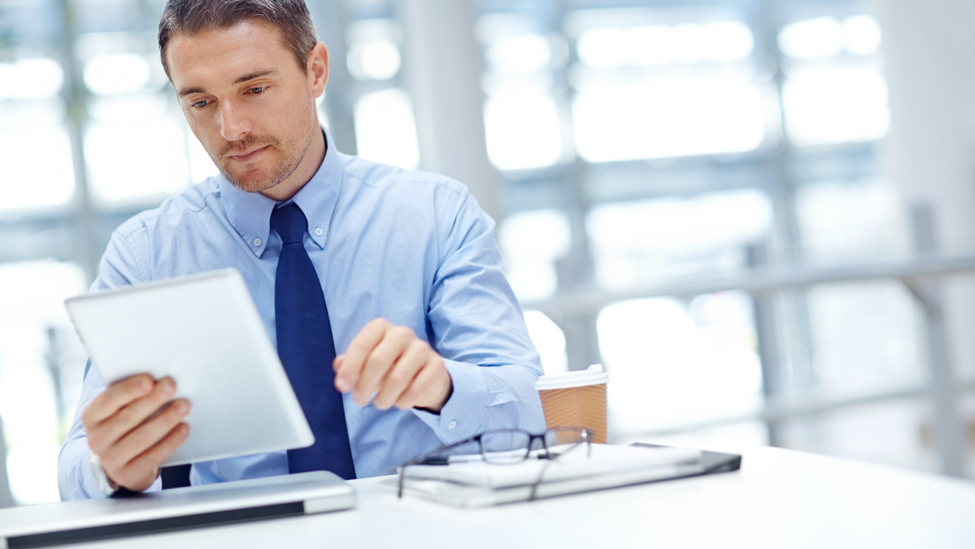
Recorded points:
(204, 331)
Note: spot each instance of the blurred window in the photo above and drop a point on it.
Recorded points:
(522, 131)
(385, 128)
(840, 219)
(374, 52)
(531, 242)
(674, 363)
(666, 116)
(136, 161)
(522, 119)
(32, 298)
(658, 91)
(37, 167)
(37, 170)
(549, 340)
(116, 73)
(834, 90)
(31, 79)
(635, 241)
(835, 104)
(884, 344)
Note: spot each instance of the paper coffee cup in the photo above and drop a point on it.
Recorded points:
(576, 399)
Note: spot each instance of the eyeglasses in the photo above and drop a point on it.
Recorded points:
(504, 447)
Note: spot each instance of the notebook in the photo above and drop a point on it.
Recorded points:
(475, 484)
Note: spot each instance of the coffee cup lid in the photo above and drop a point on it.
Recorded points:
(593, 375)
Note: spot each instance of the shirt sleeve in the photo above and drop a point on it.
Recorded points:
(76, 479)
(478, 328)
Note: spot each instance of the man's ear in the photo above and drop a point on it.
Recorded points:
(317, 69)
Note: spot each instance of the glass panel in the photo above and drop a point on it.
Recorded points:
(116, 73)
(37, 170)
(531, 242)
(522, 121)
(525, 53)
(374, 52)
(549, 341)
(851, 221)
(862, 331)
(647, 45)
(634, 241)
(673, 87)
(522, 131)
(136, 162)
(33, 113)
(34, 79)
(125, 108)
(667, 116)
(896, 433)
(671, 363)
(374, 60)
(828, 36)
(201, 166)
(835, 104)
(819, 37)
(386, 129)
(32, 302)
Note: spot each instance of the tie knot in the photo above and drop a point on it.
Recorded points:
(290, 223)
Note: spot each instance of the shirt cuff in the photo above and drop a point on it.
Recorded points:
(460, 417)
(106, 486)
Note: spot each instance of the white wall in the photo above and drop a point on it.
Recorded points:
(929, 47)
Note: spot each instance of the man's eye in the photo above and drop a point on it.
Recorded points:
(200, 104)
(258, 89)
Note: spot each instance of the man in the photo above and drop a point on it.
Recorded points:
(397, 272)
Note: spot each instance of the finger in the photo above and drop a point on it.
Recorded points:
(427, 385)
(147, 463)
(129, 417)
(149, 434)
(401, 375)
(362, 344)
(115, 397)
(379, 362)
(337, 363)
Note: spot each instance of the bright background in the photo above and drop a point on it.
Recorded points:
(621, 145)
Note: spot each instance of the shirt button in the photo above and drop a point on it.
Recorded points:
(452, 424)
(257, 241)
(318, 231)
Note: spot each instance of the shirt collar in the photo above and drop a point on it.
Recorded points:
(250, 213)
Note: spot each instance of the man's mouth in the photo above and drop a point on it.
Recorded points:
(248, 155)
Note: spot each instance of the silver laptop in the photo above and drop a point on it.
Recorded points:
(174, 509)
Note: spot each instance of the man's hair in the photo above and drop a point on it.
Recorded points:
(189, 17)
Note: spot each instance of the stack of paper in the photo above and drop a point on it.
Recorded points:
(468, 482)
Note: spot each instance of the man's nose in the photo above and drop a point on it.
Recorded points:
(234, 123)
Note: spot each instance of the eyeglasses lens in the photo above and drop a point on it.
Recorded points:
(505, 446)
(564, 435)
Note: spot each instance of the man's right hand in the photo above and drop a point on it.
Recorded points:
(131, 451)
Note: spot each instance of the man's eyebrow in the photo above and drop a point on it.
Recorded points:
(254, 75)
(187, 91)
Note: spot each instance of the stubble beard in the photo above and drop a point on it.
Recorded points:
(256, 181)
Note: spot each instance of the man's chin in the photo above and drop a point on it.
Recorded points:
(250, 183)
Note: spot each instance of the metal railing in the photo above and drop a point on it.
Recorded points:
(922, 275)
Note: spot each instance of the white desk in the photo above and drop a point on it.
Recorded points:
(779, 499)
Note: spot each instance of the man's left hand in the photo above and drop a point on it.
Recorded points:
(395, 365)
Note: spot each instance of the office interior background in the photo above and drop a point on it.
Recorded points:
(758, 215)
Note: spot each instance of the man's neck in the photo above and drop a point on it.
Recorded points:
(307, 168)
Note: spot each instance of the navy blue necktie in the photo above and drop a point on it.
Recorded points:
(306, 349)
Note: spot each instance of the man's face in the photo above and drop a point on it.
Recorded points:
(246, 100)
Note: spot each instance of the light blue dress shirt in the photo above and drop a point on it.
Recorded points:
(411, 247)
